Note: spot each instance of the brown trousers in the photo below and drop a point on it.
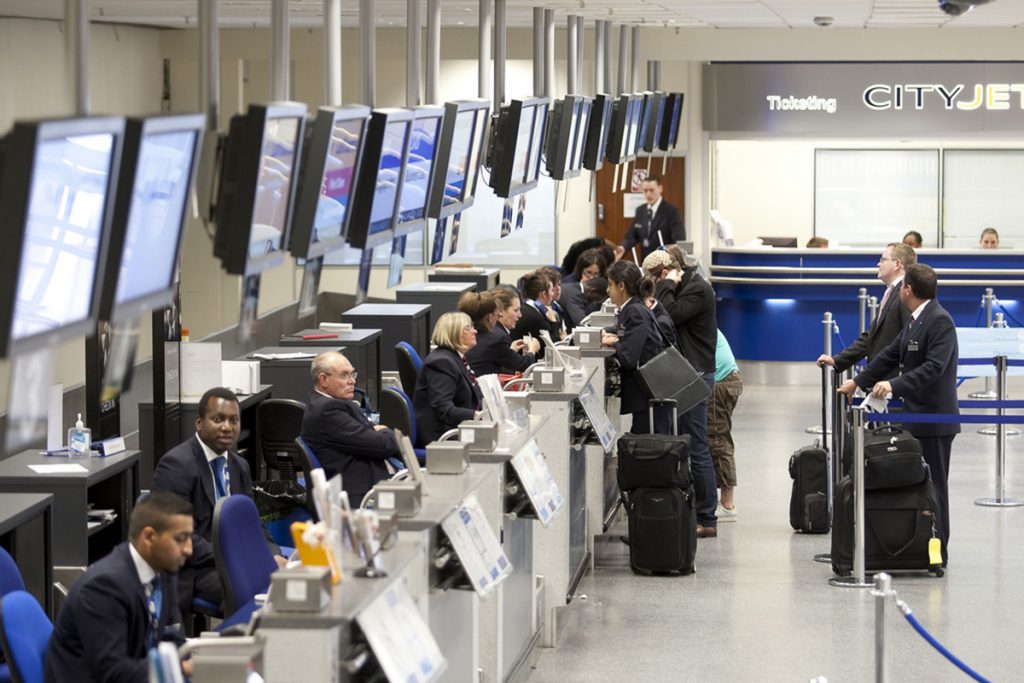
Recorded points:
(723, 402)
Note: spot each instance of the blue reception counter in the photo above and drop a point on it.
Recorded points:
(771, 301)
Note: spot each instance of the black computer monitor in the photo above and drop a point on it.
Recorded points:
(158, 167)
(655, 117)
(579, 136)
(57, 194)
(457, 166)
(375, 206)
(257, 186)
(779, 242)
(625, 113)
(330, 166)
(634, 125)
(560, 146)
(673, 112)
(597, 132)
(514, 150)
(418, 170)
(540, 122)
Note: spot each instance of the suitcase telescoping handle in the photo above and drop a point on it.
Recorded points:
(652, 403)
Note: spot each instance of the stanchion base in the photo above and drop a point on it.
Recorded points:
(989, 395)
(999, 503)
(992, 431)
(824, 558)
(816, 430)
(850, 582)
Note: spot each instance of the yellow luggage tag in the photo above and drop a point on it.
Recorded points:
(314, 547)
(934, 551)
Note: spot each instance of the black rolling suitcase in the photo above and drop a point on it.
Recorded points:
(657, 492)
(899, 525)
(808, 502)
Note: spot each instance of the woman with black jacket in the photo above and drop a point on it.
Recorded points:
(495, 352)
(636, 341)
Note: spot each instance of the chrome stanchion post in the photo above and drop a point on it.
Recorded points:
(998, 322)
(1000, 500)
(862, 307)
(883, 591)
(833, 458)
(873, 307)
(986, 301)
(857, 579)
(823, 427)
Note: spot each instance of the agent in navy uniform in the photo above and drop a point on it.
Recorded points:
(656, 223)
(335, 427)
(926, 355)
(447, 392)
(126, 603)
(202, 470)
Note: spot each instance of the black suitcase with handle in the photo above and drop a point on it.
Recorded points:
(808, 501)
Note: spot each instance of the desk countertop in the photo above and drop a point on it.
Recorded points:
(15, 470)
(16, 508)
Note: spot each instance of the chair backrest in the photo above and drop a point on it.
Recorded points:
(244, 562)
(409, 365)
(307, 463)
(10, 575)
(396, 411)
(24, 633)
(278, 422)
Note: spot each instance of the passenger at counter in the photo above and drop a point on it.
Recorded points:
(494, 351)
(126, 603)
(892, 316)
(590, 264)
(636, 341)
(202, 470)
(913, 239)
(537, 315)
(817, 243)
(447, 392)
(989, 239)
(690, 301)
(656, 222)
(336, 428)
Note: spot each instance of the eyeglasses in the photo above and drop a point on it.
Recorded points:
(345, 376)
(885, 258)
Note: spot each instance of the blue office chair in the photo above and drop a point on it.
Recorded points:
(10, 581)
(244, 562)
(396, 412)
(409, 366)
(24, 632)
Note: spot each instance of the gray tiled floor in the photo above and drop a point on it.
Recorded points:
(760, 609)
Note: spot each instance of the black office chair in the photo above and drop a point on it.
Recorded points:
(278, 422)
(409, 364)
(396, 412)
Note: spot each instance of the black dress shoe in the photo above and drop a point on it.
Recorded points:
(707, 531)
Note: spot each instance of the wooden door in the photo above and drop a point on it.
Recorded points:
(611, 222)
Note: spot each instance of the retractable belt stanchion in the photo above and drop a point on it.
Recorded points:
(883, 592)
(857, 579)
(862, 308)
(833, 457)
(1000, 499)
(998, 321)
(873, 307)
(823, 427)
(986, 301)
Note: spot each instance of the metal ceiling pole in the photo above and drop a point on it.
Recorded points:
(607, 83)
(433, 51)
(623, 40)
(571, 53)
(332, 53)
(549, 53)
(76, 53)
(209, 62)
(279, 50)
(653, 74)
(484, 50)
(600, 36)
(581, 33)
(367, 53)
(634, 49)
(539, 86)
(500, 53)
(413, 53)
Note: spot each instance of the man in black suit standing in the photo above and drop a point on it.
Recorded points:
(126, 602)
(335, 427)
(656, 223)
(202, 470)
(925, 354)
(892, 316)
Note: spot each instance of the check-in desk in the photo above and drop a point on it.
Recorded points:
(289, 376)
(483, 278)
(442, 297)
(562, 552)
(26, 533)
(362, 348)
(397, 322)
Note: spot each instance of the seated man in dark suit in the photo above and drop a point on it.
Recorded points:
(126, 602)
(202, 470)
(335, 427)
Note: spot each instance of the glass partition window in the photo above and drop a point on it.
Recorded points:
(982, 189)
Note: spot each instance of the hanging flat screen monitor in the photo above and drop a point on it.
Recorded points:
(673, 112)
(330, 165)
(158, 167)
(56, 202)
(418, 170)
(597, 132)
(511, 149)
(656, 116)
(619, 149)
(634, 125)
(458, 157)
(257, 186)
(560, 145)
(579, 136)
(540, 120)
(375, 206)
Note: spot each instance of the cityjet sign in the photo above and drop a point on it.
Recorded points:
(991, 96)
(793, 103)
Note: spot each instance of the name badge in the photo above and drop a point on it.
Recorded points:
(912, 346)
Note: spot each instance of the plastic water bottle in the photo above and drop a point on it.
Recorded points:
(79, 439)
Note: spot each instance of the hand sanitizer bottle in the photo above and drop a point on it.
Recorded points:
(79, 439)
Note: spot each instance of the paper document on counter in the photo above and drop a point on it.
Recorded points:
(57, 469)
(295, 355)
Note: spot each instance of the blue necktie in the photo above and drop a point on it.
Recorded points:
(154, 600)
(218, 476)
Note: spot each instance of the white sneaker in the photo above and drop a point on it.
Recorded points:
(724, 514)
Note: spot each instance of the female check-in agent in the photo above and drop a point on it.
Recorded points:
(495, 352)
(636, 341)
(446, 391)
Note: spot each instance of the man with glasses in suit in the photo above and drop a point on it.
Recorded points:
(655, 224)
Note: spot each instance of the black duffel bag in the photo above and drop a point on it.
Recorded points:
(277, 498)
(892, 459)
(653, 461)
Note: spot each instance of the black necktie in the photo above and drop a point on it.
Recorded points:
(650, 221)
